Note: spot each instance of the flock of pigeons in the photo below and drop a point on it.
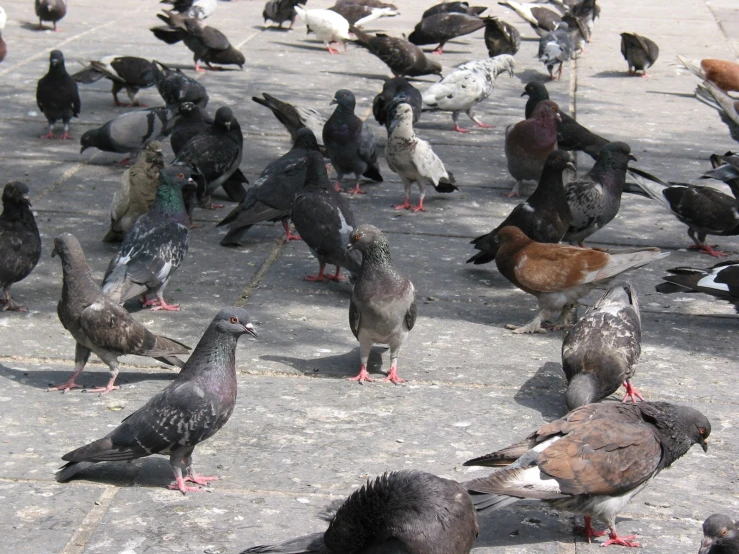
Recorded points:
(590, 462)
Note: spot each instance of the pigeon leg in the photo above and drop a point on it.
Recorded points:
(588, 530)
(404, 206)
(455, 116)
(332, 50)
(477, 121)
(357, 190)
(514, 191)
(438, 50)
(534, 326)
(125, 162)
(337, 186)
(336, 276)
(40, 26)
(320, 277)
(9, 305)
(393, 376)
(195, 477)
(113, 365)
(288, 235)
(179, 482)
(700, 244)
(631, 393)
(615, 538)
(81, 355)
(362, 376)
(559, 71)
(420, 207)
(65, 132)
(50, 133)
(163, 306)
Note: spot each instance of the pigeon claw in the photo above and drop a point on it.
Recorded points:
(393, 376)
(200, 479)
(180, 485)
(483, 125)
(511, 194)
(49, 135)
(459, 129)
(615, 538)
(337, 187)
(65, 136)
(104, 390)
(357, 190)
(64, 387)
(708, 249)
(631, 393)
(362, 376)
(588, 531)
(404, 206)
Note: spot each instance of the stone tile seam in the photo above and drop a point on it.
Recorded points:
(84, 532)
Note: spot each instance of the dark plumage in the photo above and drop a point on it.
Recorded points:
(599, 353)
(359, 14)
(501, 37)
(542, 20)
(592, 461)
(544, 217)
(443, 27)
(404, 511)
(396, 91)
(100, 325)
(175, 87)
(727, 106)
(403, 58)
(556, 47)
(57, 95)
(639, 52)
(188, 124)
(293, 116)
(456, 7)
(125, 72)
(720, 535)
(190, 410)
(50, 10)
(721, 281)
(279, 11)
(20, 242)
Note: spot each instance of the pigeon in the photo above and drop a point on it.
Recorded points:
(358, 15)
(294, 117)
(350, 143)
(154, 247)
(57, 95)
(394, 92)
(20, 242)
(271, 197)
(200, 9)
(3, 48)
(98, 324)
(453, 7)
(279, 11)
(570, 134)
(136, 192)
(501, 37)
(403, 58)
(727, 106)
(383, 304)
(444, 27)
(188, 124)
(125, 72)
(600, 351)
(467, 86)
(188, 411)
(50, 10)
(721, 281)
(329, 26)
(528, 143)
(556, 47)
(175, 87)
(720, 535)
(586, 12)
(560, 275)
(722, 73)
(207, 44)
(414, 161)
(368, 3)
(595, 198)
(404, 511)
(639, 52)
(544, 217)
(704, 209)
(325, 221)
(3, 18)
(542, 20)
(592, 461)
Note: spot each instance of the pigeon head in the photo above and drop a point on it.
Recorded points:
(512, 237)
(715, 528)
(583, 389)
(234, 321)
(559, 160)
(224, 118)
(177, 176)
(152, 153)
(189, 111)
(433, 66)
(682, 427)
(563, 26)
(616, 155)
(316, 176)
(90, 139)
(370, 241)
(305, 138)
(546, 111)
(56, 59)
(536, 91)
(345, 99)
(68, 248)
(403, 112)
(16, 193)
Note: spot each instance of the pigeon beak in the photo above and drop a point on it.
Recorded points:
(705, 545)
(83, 149)
(571, 166)
(228, 125)
(54, 252)
(632, 158)
(333, 102)
(704, 445)
(558, 117)
(249, 328)
(524, 93)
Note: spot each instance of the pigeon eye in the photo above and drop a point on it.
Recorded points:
(702, 431)
(723, 533)
(357, 237)
(180, 175)
(234, 319)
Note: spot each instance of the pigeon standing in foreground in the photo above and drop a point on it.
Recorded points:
(100, 325)
(599, 353)
(394, 92)
(57, 95)
(190, 410)
(443, 27)
(403, 58)
(20, 242)
(592, 461)
(125, 72)
(329, 26)
(383, 304)
(412, 512)
(721, 281)
(50, 10)
(720, 535)
(279, 11)
(639, 52)
(556, 47)
(501, 37)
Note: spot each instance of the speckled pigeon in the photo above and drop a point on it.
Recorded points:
(403, 58)
(175, 87)
(279, 11)
(57, 96)
(501, 37)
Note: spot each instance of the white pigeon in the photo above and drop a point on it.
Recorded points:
(328, 26)
(3, 18)
(467, 86)
(413, 159)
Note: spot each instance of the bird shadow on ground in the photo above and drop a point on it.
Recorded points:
(678, 94)
(271, 28)
(529, 75)
(154, 472)
(312, 47)
(544, 392)
(339, 366)
(369, 76)
(610, 74)
(31, 26)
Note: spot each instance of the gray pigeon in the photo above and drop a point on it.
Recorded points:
(556, 47)
(175, 87)
(600, 351)
(720, 535)
(57, 96)
(294, 116)
(279, 11)
(325, 221)
(409, 512)
(190, 410)
(639, 52)
(154, 247)
(383, 305)
(99, 324)
(350, 143)
(50, 10)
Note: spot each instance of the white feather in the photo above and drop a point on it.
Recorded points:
(328, 25)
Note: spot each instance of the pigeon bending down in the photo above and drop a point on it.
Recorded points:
(639, 52)
(403, 58)
(721, 281)
(20, 242)
(528, 143)
(592, 461)
(125, 72)
(455, 7)
(190, 410)
(412, 512)
(467, 86)
(383, 304)
(350, 143)
(443, 27)
(396, 91)
(595, 198)
(600, 351)
(279, 11)
(201, 9)
(176, 88)
(271, 197)
(136, 191)
(720, 535)
(724, 74)
(324, 220)
(414, 161)
(560, 275)
(154, 247)
(99, 324)
(50, 10)
(293, 116)
(542, 20)
(544, 217)
(556, 47)
(57, 96)
(501, 37)
(727, 106)
(358, 14)
(329, 26)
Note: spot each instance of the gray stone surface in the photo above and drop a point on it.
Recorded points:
(302, 437)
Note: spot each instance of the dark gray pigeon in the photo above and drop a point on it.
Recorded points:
(721, 281)
(403, 58)
(324, 221)
(350, 143)
(595, 198)
(501, 37)
(155, 246)
(271, 197)
(383, 305)
(542, 20)
(279, 11)
(409, 512)
(639, 52)
(57, 96)
(443, 27)
(175, 87)
(359, 14)
(50, 10)
(555, 48)
(294, 117)
(599, 353)
(20, 242)
(125, 72)
(188, 124)
(99, 324)
(457, 7)
(396, 91)
(190, 410)
(720, 535)
(592, 461)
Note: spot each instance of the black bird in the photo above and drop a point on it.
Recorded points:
(501, 37)
(409, 512)
(190, 410)
(279, 11)
(50, 10)
(639, 52)
(188, 124)
(294, 117)
(444, 27)
(396, 91)
(20, 242)
(57, 95)
(125, 72)
(542, 20)
(176, 88)
(720, 535)
(456, 7)
(403, 58)
(721, 281)
(544, 217)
